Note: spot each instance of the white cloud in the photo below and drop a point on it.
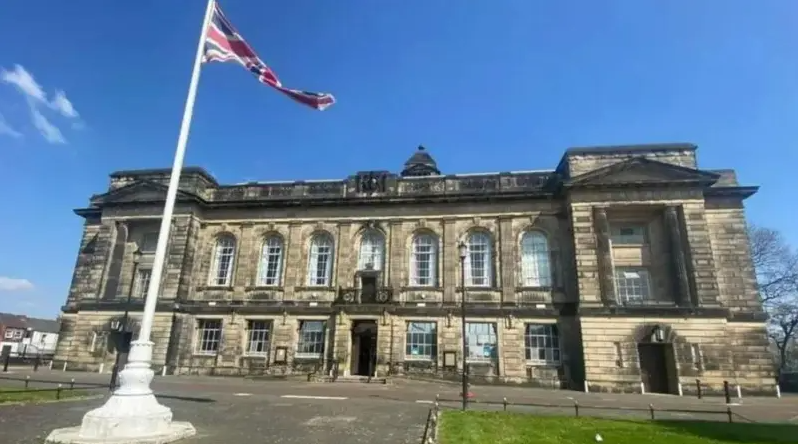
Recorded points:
(7, 130)
(12, 284)
(61, 104)
(26, 84)
(50, 132)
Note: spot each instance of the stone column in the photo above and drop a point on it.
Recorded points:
(449, 278)
(396, 264)
(295, 261)
(507, 263)
(604, 253)
(678, 259)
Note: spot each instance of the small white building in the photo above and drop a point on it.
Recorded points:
(23, 336)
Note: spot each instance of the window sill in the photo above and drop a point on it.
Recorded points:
(204, 354)
(542, 288)
(264, 288)
(543, 364)
(315, 288)
(215, 288)
(421, 288)
(307, 358)
(470, 288)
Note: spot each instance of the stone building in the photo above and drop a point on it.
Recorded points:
(624, 267)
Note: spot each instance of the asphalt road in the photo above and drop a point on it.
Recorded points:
(288, 411)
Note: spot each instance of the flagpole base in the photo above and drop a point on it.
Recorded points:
(131, 415)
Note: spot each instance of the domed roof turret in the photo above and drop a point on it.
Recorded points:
(420, 164)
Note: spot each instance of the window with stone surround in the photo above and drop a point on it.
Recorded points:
(223, 261)
(421, 341)
(209, 336)
(542, 344)
(149, 241)
(9, 334)
(535, 260)
(481, 342)
(372, 251)
(478, 261)
(628, 234)
(633, 285)
(310, 344)
(258, 337)
(270, 269)
(320, 261)
(424, 260)
(142, 282)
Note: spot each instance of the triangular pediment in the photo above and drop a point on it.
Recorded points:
(641, 170)
(138, 192)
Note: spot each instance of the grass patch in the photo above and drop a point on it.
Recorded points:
(8, 395)
(457, 427)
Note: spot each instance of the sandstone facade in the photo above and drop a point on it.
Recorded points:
(624, 269)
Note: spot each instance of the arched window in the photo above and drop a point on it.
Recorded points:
(372, 249)
(535, 262)
(223, 261)
(478, 261)
(320, 260)
(424, 261)
(270, 269)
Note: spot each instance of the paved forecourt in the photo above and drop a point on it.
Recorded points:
(239, 417)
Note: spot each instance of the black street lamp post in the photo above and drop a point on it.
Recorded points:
(463, 250)
(122, 329)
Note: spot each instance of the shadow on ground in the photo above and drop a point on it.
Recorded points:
(185, 398)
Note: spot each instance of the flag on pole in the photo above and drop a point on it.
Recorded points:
(223, 43)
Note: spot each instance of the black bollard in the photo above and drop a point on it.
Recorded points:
(726, 392)
(36, 363)
(698, 388)
(6, 358)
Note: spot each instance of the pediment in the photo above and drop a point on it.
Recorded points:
(641, 170)
(138, 192)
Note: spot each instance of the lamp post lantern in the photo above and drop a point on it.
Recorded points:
(463, 251)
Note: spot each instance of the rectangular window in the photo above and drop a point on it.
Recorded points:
(258, 337)
(9, 334)
(311, 339)
(421, 341)
(481, 342)
(209, 336)
(142, 283)
(632, 285)
(149, 241)
(18, 334)
(542, 343)
(628, 234)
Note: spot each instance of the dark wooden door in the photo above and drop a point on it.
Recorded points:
(368, 289)
(654, 367)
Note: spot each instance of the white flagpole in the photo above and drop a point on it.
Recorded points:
(132, 413)
(174, 181)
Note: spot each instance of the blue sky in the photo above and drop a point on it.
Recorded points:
(486, 86)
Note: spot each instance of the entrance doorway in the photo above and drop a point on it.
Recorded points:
(368, 287)
(364, 347)
(657, 366)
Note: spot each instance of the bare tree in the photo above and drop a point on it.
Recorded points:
(776, 265)
(775, 262)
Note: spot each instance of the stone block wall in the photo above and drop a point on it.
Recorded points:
(711, 350)
(584, 162)
(731, 254)
(84, 343)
